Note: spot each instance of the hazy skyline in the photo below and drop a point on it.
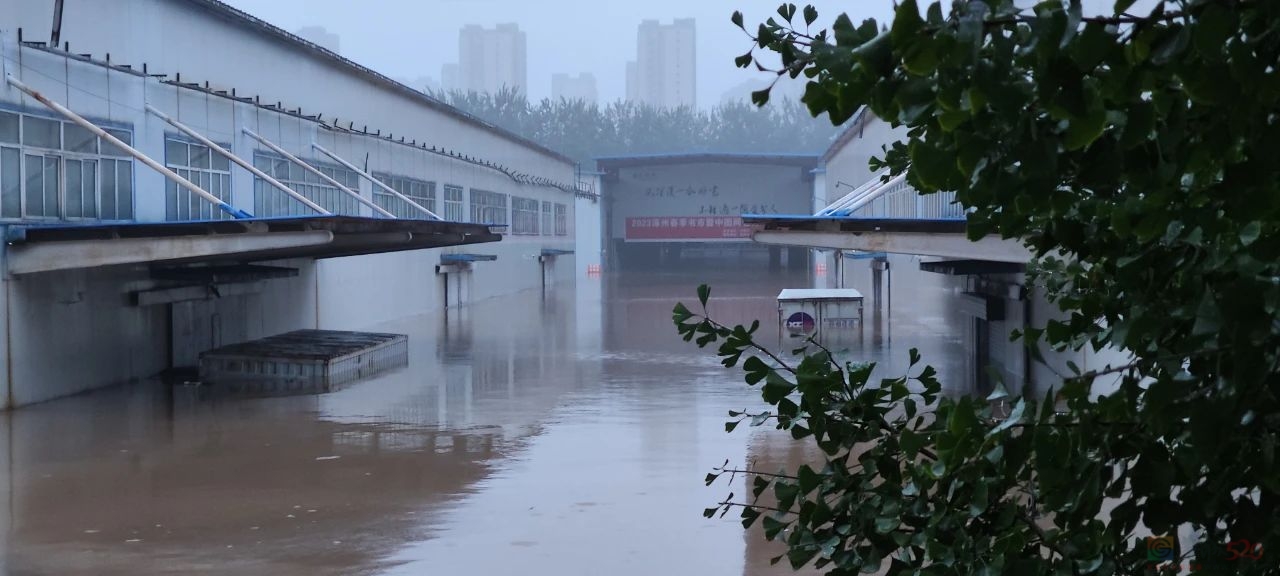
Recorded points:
(407, 39)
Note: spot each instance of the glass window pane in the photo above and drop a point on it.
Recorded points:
(10, 183)
(35, 185)
(170, 200)
(199, 156)
(124, 190)
(175, 153)
(109, 149)
(52, 173)
(89, 191)
(74, 186)
(8, 127)
(41, 132)
(221, 162)
(107, 192)
(80, 140)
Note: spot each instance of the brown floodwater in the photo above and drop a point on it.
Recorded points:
(566, 434)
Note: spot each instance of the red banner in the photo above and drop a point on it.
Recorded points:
(702, 228)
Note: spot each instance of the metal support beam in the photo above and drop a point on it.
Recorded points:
(375, 181)
(238, 160)
(317, 173)
(991, 248)
(99, 132)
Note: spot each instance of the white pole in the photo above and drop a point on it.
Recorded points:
(375, 181)
(99, 132)
(312, 169)
(238, 160)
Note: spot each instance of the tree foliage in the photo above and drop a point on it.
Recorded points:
(586, 131)
(1135, 155)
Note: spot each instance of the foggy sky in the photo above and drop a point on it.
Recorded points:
(411, 38)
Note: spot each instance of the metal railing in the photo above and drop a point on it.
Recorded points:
(894, 199)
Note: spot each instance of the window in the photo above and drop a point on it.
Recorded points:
(55, 169)
(454, 206)
(547, 219)
(562, 220)
(524, 215)
(42, 186)
(205, 168)
(271, 201)
(488, 207)
(421, 192)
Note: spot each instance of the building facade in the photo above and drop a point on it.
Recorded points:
(490, 60)
(664, 73)
(99, 241)
(575, 87)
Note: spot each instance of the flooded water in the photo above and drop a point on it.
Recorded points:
(567, 434)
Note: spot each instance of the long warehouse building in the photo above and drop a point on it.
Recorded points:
(177, 175)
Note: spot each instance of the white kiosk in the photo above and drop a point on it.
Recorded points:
(804, 312)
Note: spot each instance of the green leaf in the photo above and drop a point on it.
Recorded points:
(776, 388)
(906, 23)
(810, 15)
(737, 19)
(1122, 6)
(1250, 233)
(886, 525)
(730, 426)
(704, 292)
(1082, 131)
(1015, 417)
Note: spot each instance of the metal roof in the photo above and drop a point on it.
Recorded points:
(801, 160)
(856, 224)
(47, 247)
(243, 18)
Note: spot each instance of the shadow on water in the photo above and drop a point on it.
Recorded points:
(566, 434)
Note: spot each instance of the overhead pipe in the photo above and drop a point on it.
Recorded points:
(375, 181)
(316, 172)
(238, 160)
(147, 160)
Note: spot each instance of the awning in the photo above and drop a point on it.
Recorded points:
(44, 248)
(923, 237)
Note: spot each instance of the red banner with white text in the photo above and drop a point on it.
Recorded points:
(688, 228)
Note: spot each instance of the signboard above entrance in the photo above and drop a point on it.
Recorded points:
(688, 229)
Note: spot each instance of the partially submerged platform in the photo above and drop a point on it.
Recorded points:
(805, 311)
(311, 360)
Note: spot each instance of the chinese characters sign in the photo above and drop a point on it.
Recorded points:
(696, 228)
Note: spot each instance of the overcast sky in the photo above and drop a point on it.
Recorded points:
(411, 38)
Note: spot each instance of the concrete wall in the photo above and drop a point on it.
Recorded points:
(705, 190)
(847, 166)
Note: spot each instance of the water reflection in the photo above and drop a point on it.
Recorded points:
(565, 434)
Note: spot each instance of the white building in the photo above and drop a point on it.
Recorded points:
(664, 73)
(114, 271)
(490, 60)
(579, 87)
(321, 37)
(885, 234)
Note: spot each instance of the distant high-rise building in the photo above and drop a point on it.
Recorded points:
(449, 78)
(489, 60)
(322, 37)
(664, 73)
(580, 87)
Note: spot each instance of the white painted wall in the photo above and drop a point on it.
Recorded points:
(73, 331)
(640, 191)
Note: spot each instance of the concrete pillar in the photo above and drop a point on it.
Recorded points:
(775, 258)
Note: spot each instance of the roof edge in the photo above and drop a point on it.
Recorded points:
(236, 15)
